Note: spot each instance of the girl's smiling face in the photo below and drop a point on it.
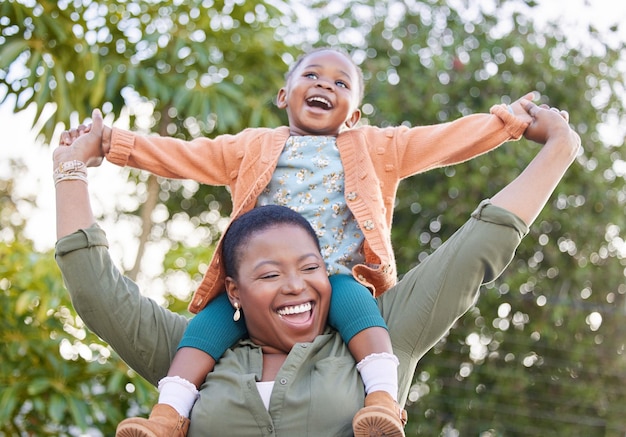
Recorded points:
(282, 287)
(321, 95)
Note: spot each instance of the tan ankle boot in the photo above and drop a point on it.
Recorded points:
(164, 421)
(381, 417)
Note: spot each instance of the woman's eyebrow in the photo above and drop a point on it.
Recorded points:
(273, 262)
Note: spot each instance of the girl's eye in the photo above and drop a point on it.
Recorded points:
(311, 268)
(341, 83)
(310, 75)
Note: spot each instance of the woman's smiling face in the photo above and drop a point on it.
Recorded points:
(282, 287)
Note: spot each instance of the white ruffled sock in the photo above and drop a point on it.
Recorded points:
(379, 372)
(178, 393)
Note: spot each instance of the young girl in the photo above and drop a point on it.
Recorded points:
(343, 179)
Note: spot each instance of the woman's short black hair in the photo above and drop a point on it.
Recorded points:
(258, 219)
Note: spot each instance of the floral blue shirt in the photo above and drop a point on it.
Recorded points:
(309, 179)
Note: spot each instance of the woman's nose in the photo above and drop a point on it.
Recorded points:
(294, 283)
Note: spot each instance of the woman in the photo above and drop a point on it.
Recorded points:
(316, 388)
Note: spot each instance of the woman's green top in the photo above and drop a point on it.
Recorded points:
(318, 389)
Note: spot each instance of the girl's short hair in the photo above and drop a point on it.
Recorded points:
(258, 219)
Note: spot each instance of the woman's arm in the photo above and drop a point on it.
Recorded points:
(144, 334)
(423, 306)
(528, 193)
(73, 208)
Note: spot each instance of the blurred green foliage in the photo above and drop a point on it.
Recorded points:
(57, 378)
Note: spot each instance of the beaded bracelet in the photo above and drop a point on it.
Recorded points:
(70, 171)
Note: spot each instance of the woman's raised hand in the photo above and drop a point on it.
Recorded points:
(83, 144)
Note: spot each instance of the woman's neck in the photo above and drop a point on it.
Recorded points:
(272, 362)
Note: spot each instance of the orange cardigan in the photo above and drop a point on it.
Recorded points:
(374, 161)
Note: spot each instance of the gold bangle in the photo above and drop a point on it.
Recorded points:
(71, 177)
(70, 166)
(70, 170)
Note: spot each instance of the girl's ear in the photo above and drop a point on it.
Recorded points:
(354, 119)
(281, 98)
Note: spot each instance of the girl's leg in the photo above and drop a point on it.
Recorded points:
(208, 335)
(355, 314)
(206, 338)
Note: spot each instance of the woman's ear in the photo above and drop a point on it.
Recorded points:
(232, 291)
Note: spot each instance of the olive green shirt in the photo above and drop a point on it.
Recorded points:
(318, 389)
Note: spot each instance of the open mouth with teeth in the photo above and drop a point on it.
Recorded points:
(319, 102)
(296, 313)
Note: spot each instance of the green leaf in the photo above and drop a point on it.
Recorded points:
(230, 90)
(99, 88)
(38, 386)
(25, 301)
(9, 397)
(61, 94)
(115, 383)
(78, 410)
(9, 52)
(57, 407)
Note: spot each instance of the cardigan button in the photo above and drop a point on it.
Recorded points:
(283, 381)
(368, 225)
(351, 196)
